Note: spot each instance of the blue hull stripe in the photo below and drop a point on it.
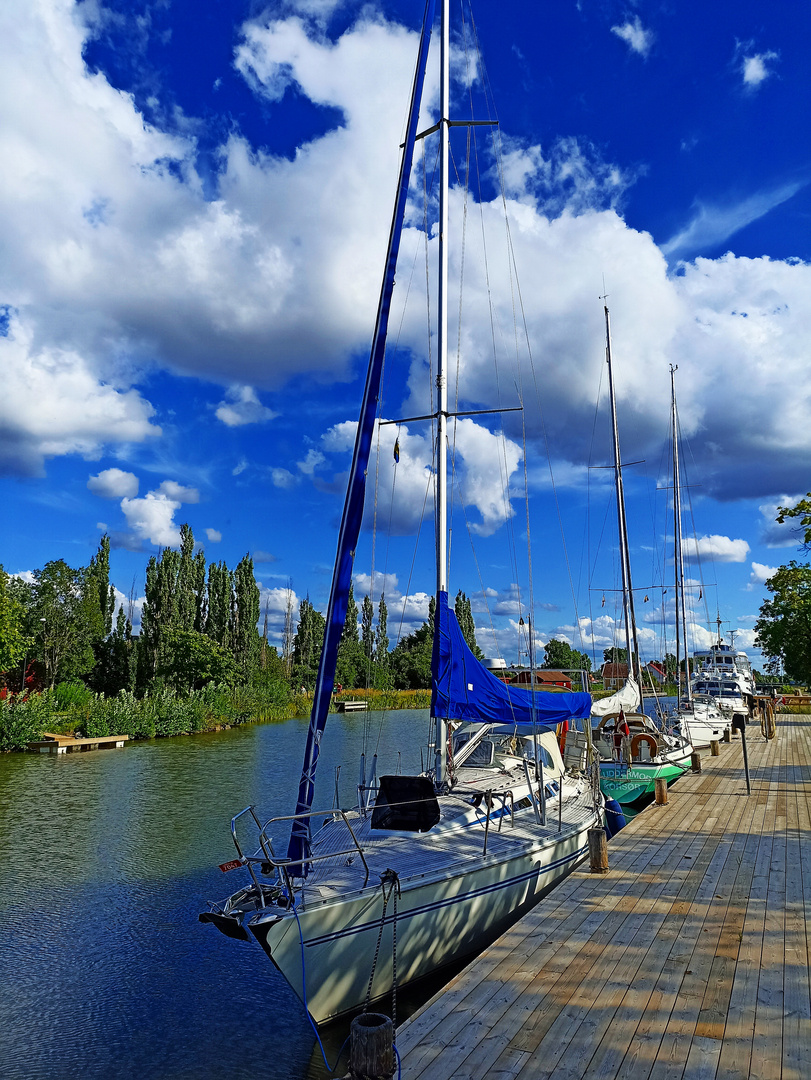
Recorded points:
(362, 928)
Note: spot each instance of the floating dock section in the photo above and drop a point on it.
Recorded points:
(67, 744)
(688, 959)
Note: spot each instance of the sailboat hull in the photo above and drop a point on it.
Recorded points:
(326, 951)
(627, 783)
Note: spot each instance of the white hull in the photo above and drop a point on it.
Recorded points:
(439, 920)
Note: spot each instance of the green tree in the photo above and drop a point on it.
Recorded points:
(190, 660)
(464, 616)
(14, 639)
(615, 656)
(801, 510)
(244, 633)
(307, 645)
(560, 656)
(783, 631)
(367, 630)
(410, 660)
(382, 678)
(68, 621)
(349, 665)
(218, 608)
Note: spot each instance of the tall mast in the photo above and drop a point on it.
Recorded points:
(681, 606)
(442, 354)
(625, 559)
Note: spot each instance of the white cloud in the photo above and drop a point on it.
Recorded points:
(717, 548)
(114, 484)
(114, 258)
(482, 471)
(312, 460)
(240, 467)
(383, 583)
(635, 36)
(133, 607)
(760, 574)
(214, 536)
(283, 478)
(172, 490)
(774, 534)
(152, 518)
(713, 225)
(53, 402)
(260, 556)
(242, 406)
(754, 67)
(275, 603)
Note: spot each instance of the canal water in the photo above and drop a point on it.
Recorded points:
(107, 858)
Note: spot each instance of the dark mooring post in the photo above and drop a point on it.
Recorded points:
(660, 789)
(715, 748)
(695, 761)
(739, 724)
(598, 851)
(371, 1051)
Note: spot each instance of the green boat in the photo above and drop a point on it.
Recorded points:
(631, 763)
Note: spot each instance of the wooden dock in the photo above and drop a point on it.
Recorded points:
(68, 744)
(352, 706)
(689, 959)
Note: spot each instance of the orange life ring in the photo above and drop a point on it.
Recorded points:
(643, 736)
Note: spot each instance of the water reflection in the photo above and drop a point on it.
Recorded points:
(106, 859)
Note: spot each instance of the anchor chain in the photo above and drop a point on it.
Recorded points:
(387, 878)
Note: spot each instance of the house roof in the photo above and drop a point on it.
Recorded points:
(615, 671)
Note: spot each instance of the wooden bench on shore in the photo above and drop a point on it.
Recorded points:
(68, 744)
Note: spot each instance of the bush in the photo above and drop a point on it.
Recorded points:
(68, 695)
(23, 719)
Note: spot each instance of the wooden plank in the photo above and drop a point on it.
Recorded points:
(634, 974)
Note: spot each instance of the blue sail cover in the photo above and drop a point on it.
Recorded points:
(299, 844)
(463, 689)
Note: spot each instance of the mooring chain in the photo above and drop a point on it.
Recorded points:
(390, 878)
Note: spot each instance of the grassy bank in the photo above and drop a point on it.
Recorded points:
(72, 708)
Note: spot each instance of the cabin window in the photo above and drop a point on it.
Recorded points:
(483, 754)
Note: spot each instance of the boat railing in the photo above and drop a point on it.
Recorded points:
(266, 858)
(283, 864)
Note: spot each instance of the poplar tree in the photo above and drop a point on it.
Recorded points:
(307, 644)
(218, 612)
(464, 616)
(367, 629)
(244, 632)
(382, 646)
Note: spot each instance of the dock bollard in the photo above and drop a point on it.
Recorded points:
(660, 788)
(715, 748)
(371, 1051)
(727, 735)
(598, 851)
(695, 761)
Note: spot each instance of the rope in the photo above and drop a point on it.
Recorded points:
(390, 878)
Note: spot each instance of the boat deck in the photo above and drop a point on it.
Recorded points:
(424, 854)
(689, 959)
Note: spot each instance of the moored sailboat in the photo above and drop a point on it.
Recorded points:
(426, 868)
(697, 713)
(634, 751)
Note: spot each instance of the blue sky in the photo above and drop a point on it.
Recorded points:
(194, 201)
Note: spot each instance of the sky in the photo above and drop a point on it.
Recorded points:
(194, 206)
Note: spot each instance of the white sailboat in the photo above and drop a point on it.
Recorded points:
(697, 712)
(426, 869)
(634, 751)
